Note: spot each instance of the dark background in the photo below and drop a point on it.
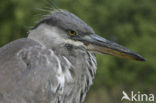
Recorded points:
(131, 23)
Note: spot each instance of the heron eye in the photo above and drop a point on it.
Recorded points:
(72, 32)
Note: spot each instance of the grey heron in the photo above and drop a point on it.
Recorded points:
(55, 63)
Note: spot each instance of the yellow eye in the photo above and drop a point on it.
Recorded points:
(72, 33)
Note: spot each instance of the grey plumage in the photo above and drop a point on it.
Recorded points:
(31, 73)
(55, 64)
(66, 21)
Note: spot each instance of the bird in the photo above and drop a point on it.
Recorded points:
(56, 62)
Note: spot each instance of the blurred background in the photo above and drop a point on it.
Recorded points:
(131, 23)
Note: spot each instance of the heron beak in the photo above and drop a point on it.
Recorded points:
(101, 45)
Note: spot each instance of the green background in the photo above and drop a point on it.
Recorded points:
(131, 23)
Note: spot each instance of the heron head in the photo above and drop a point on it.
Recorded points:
(63, 27)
